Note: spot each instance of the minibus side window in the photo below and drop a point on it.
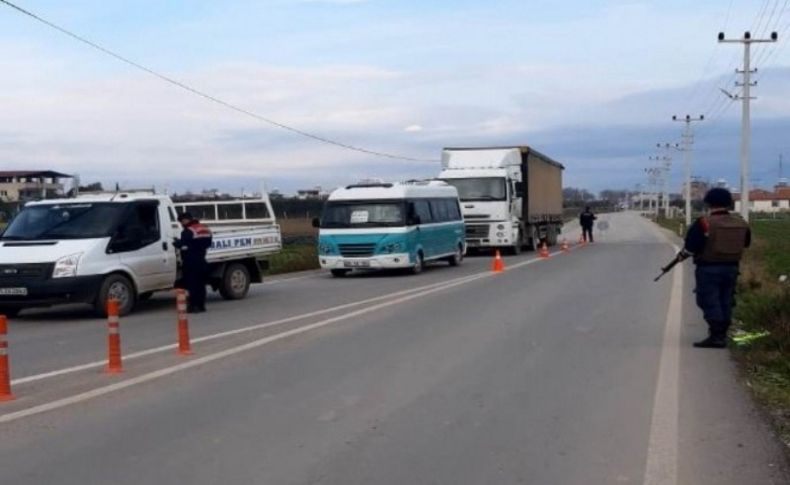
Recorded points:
(422, 209)
(454, 209)
(439, 210)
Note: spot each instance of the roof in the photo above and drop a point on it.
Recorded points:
(395, 191)
(119, 197)
(33, 173)
(782, 193)
(524, 149)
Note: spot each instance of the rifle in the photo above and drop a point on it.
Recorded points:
(679, 258)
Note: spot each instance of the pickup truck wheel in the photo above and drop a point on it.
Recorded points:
(117, 287)
(339, 273)
(235, 282)
(10, 312)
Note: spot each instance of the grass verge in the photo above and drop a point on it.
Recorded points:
(294, 257)
(762, 334)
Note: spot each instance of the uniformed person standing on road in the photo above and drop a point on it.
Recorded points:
(194, 243)
(717, 242)
(587, 220)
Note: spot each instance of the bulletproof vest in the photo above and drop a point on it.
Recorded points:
(726, 238)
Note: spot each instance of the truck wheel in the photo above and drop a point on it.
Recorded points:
(235, 282)
(419, 264)
(551, 236)
(10, 312)
(515, 250)
(117, 287)
(339, 273)
(456, 258)
(145, 296)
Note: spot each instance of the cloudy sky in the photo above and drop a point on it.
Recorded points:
(592, 83)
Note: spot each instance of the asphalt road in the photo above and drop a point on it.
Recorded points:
(572, 370)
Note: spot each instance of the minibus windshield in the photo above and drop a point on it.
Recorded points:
(65, 221)
(364, 214)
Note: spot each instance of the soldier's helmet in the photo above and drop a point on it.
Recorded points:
(718, 197)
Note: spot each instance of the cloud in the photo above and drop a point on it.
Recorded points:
(413, 129)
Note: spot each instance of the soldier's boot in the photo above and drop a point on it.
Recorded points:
(717, 337)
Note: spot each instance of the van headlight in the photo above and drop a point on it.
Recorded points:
(66, 266)
(393, 247)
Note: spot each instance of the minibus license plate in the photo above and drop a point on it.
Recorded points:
(13, 291)
(356, 264)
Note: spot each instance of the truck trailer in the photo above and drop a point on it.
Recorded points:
(511, 197)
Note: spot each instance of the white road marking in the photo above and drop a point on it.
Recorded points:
(101, 391)
(662, 452)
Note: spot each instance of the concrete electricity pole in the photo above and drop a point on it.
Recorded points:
(688, 140)
(667, 167)
(746, 98)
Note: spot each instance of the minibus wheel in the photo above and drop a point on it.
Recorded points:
(339, 273)
(418, 264)
(456, 258)
(10, 312)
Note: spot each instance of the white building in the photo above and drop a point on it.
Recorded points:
(765, 201)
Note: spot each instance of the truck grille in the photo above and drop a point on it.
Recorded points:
(476, 231)
(37, 271)
(357, 250)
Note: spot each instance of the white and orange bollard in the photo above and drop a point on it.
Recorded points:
(184, 345)
(565, 248)
(5, 368)
(114, 363)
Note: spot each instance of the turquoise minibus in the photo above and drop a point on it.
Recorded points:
(390, 225)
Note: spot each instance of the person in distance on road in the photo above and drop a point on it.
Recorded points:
(717, 242)
(587, 220)
(194, 243)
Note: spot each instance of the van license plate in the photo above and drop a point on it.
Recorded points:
(13, 291)
(356, 264)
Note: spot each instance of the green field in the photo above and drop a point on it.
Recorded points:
(763, 314)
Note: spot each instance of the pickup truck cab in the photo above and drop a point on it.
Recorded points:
(94, 247)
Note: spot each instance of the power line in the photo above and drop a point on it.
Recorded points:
(205, 95)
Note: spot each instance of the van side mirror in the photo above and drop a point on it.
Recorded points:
(415, 220)
(316, 222)
(519, 189)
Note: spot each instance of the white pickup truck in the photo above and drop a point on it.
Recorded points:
(120, 245)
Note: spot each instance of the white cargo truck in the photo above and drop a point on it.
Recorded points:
(120, 245)
(511, 197)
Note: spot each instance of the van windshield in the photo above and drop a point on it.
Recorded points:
(364, 214)
(65, 221)
(480, 189)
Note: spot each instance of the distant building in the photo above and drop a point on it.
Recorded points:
(25, 185)
(767, 201)
(316, 193)
(699, 189)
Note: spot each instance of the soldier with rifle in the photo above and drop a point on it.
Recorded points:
(716, 242)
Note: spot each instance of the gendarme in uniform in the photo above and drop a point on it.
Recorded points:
(717, 242)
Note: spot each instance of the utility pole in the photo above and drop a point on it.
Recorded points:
(666, 162)
(746, 98)
(688, 140)
(653, 174)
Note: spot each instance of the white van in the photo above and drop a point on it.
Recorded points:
(120, 245)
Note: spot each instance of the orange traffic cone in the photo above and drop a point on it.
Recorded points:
(499, 263)
(564, 246)
(114, 364)
(581, 240)
(544, 251)
(5, 372)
